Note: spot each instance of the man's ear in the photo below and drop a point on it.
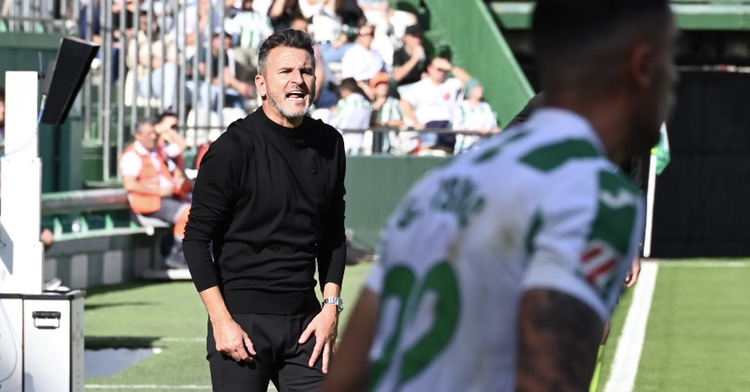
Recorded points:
(260, 85)
(641, 65)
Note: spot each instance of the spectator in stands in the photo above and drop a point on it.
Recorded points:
(385, 108)
(325, 96)
(283, 12)
(196, 31)
(354, 112)
(151, 187)
(330, 33)
(360, 61)
(386, 111)
(429, 103)
(248, 28)
(163, 70)
(473, 114)
(261, 6)
(117, 40)
(236, 91)
(171, 144)
(409, 60)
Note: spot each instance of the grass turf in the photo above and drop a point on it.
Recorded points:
(697, 337)
(170, 316)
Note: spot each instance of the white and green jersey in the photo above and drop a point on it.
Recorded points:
(538, 206)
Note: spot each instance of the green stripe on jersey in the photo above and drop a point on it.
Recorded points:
(617, 209)
(553, 156)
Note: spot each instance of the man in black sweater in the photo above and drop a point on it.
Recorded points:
(268, 202)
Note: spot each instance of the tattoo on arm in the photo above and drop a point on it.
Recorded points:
(559, 342)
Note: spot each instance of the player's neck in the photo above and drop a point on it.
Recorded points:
(607, 116)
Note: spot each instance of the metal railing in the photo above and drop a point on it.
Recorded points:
(148, 62)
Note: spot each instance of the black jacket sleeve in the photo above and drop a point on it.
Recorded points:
(214, 197)
(332, 249)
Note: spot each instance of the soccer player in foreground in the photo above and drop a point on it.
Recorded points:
(498, 270)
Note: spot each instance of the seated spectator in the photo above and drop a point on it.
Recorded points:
(429, 103)
(163, 71)
(330, 33)
(171, 144)
(235, 90)
(409, 60)
(195, 32)
(283, 12)
(261, 6)
(325, 96)
(354, 112)
(385, 107)
(360, 61)
(152, 188)
(310, 7)
(249, 28)
(386, 111)
(473, 114)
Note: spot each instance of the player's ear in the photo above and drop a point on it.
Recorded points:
(260, 85)
(641, 65)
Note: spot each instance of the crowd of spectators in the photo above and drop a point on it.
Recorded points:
(373, 69)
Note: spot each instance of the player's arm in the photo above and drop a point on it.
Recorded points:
(559, 339)
(350, 371)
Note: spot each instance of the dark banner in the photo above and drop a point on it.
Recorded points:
(702, 204)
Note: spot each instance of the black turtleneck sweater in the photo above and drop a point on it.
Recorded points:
(271, 199)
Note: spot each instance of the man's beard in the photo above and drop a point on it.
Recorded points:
(277, 105)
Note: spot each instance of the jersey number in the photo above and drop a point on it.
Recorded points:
(400, 283)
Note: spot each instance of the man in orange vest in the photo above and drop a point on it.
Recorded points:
(152, 189)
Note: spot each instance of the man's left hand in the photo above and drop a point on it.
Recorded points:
(635, 271)
(325, 328)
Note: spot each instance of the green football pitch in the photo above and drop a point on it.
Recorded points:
(696, 333)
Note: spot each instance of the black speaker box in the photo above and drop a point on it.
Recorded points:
(65, 77)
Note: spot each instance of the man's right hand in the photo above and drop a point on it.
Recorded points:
(417, 52)
(231, 340)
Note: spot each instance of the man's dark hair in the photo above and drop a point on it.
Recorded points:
(165, 114)
(350, 84)
(289, 38)
(583, 42)
(2, 94)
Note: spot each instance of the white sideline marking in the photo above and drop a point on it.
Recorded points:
(706, 264)
(628, 354)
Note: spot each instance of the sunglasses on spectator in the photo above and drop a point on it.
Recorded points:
(366, 33)
(443, 70)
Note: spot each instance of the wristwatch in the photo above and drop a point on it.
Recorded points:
(336, 301)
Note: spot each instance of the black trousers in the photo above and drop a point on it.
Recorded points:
(280, 359)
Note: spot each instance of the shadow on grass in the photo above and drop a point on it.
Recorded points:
(113, 288)
(113, 304)
(100, 342)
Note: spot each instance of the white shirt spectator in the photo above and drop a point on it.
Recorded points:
(326, 26)
(131, 163)
(468, 117)
(361, 64)
(309, 9)
(433, 102)
(352, 112)
(261, 6)
(474, 118)
(249, 28)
